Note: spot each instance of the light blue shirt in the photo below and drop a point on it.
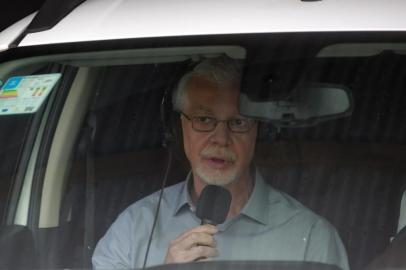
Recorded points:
(271, 226)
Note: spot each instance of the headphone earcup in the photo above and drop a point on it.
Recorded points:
(176, 130)
(177, 144)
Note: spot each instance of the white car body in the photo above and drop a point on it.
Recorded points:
(96, 20)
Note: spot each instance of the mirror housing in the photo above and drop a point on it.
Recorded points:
(307, 105)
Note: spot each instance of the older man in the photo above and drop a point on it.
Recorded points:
(262, 223)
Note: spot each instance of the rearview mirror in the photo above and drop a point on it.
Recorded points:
(306, 105)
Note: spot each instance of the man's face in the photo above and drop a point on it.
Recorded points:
(221, 156)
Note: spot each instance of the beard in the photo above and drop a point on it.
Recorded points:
(214, 176)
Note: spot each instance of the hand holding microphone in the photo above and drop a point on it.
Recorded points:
(198, 243)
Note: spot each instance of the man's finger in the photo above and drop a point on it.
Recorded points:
(202, 252)
(196, 253)
(207, 228)
(197, 239)
(194, 244)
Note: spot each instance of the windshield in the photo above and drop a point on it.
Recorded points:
(280, 151)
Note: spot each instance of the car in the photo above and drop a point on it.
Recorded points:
(86, 121)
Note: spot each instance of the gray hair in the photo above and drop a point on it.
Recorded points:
(220, 70)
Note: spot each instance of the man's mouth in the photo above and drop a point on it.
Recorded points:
(217, 162)
(218, 158)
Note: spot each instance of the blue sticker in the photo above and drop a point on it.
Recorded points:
(12, 83)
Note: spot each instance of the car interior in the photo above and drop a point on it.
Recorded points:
(101, 142)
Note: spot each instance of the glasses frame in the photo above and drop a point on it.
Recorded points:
(227, 121)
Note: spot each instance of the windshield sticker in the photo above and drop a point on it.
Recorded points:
(25, 94)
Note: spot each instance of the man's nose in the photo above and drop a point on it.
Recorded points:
(221, 134)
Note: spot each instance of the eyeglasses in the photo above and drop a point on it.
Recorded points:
(207, 123)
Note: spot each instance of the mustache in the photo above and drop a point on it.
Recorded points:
(219, 152)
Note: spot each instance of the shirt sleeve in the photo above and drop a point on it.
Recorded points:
(113, 251)
(325, 245)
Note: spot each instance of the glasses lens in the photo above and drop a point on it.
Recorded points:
(204, 123)
(240, 125)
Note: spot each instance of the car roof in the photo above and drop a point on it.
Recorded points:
(120, 19)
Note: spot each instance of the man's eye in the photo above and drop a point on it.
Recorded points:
(238, 122)
(204, 119)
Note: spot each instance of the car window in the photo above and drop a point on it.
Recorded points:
(108, 137)
(23, 102)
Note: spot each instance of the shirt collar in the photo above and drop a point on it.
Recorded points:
(257, 207)
(184, 199)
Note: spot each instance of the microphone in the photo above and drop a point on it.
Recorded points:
(213, 205)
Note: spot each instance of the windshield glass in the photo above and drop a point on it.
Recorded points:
(282, 151)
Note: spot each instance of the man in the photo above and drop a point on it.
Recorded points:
(262, 223)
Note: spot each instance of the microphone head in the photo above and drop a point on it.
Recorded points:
(213, 205)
